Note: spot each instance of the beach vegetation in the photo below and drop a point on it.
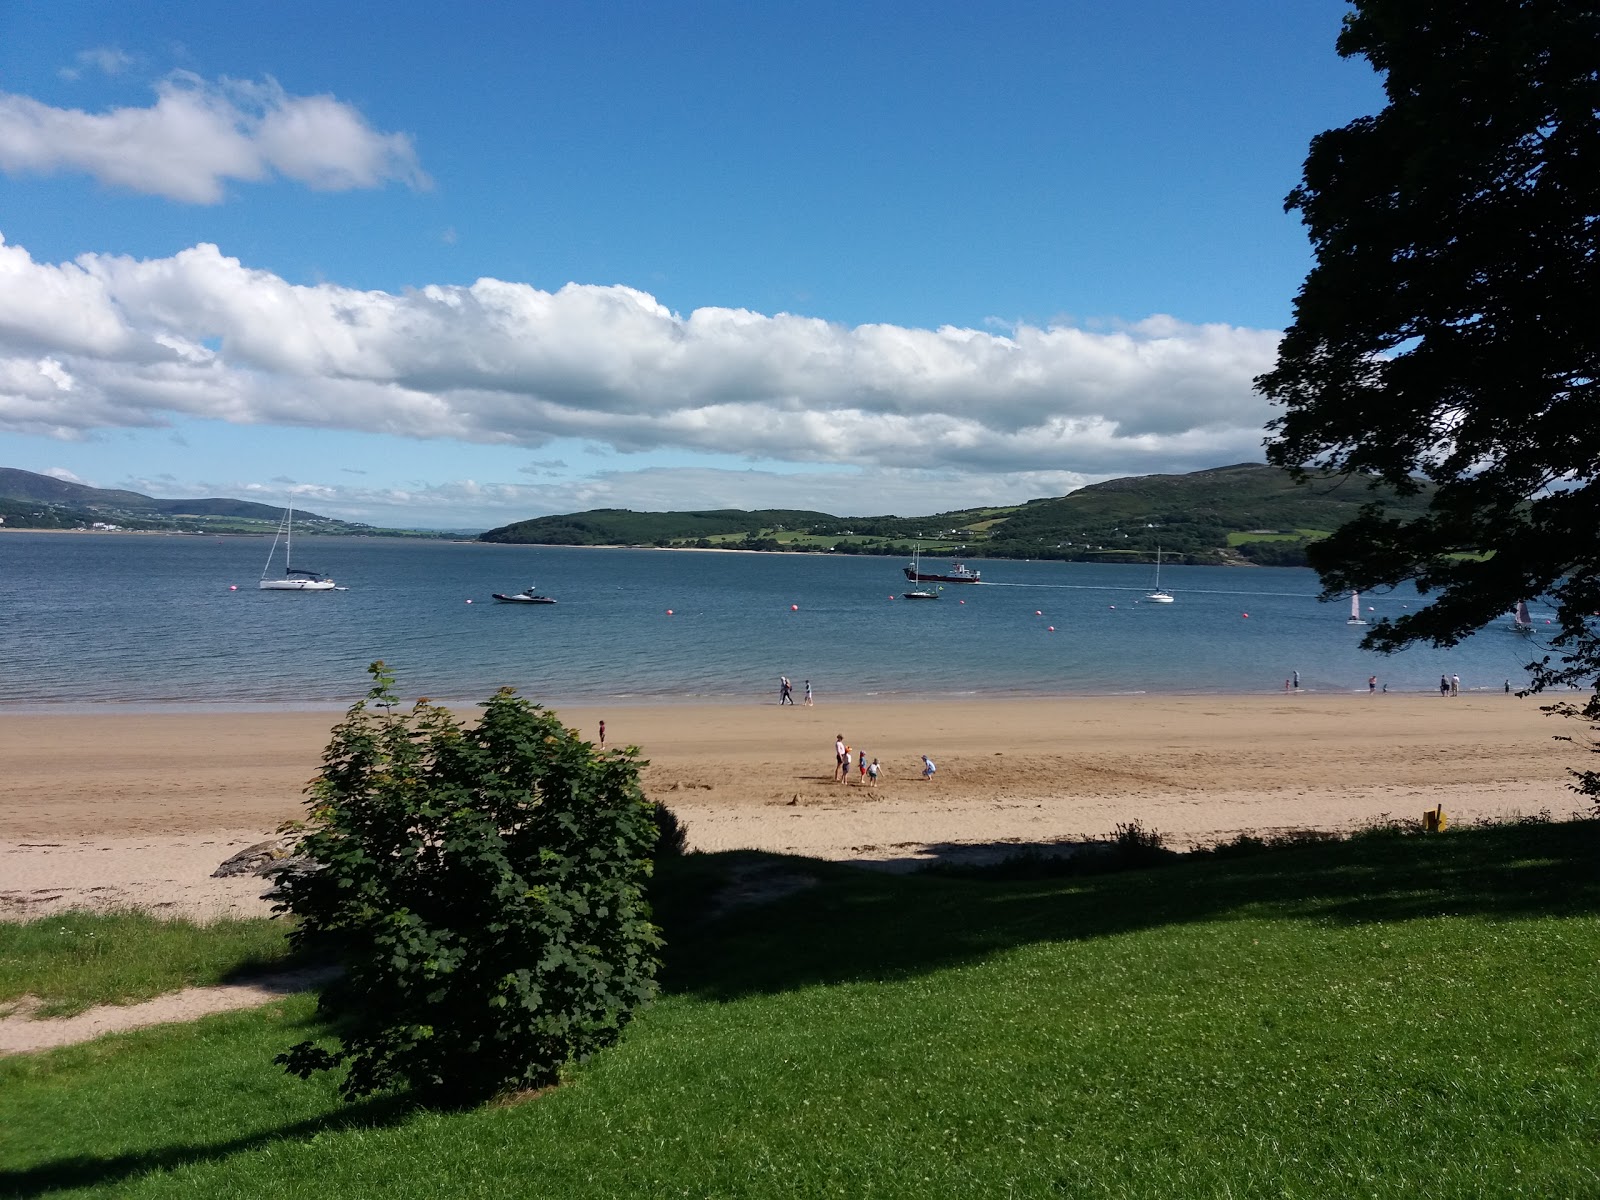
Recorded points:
(1391, 1017)
(70, 961)
(1444, 337)
(482, 886)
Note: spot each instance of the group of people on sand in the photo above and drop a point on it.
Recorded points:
(786, 691)
(846, 756)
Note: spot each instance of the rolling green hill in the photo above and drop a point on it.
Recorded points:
(1249, 512)
(32, 501)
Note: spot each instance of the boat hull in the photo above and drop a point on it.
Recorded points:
(503, 599)
(923, 577)
(296, 585)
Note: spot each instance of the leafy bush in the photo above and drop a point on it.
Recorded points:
(483, 887)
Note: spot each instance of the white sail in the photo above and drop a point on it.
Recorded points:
(1355, 610)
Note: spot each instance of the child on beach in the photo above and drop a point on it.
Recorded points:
(862, 760)
(927, 767)
(872, 774)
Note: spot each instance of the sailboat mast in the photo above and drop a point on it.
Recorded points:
(288, 541)
(277, 533)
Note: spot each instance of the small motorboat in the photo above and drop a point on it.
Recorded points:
(528, 596)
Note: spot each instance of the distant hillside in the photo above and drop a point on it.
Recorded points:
(31, 501)
(1244, 513)
(624, 527)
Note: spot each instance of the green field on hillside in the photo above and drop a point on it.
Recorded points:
(1389, 1016)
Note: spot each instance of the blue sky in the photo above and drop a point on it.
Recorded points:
(453, 266)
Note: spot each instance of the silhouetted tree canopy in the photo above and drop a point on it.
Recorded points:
(1450, 327)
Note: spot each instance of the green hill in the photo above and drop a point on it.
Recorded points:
(32, 501)
(1246, 512)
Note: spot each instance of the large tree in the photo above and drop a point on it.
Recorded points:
(1450, 327)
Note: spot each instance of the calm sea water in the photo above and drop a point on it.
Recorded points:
(91, 619)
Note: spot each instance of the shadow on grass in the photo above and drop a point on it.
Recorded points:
(864, 925)
(83, 1171)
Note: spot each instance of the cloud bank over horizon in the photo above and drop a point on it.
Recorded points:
(199, 135)
(107, 342)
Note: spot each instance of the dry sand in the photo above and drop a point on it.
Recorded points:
(128, 808)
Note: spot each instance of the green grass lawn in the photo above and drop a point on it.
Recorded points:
(76, 960)
(1406, 1017)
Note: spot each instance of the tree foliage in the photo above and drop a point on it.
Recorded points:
(483, 887)
(1448, 327)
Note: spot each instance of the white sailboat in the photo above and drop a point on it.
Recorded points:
(1520, 620)
(913, 572)
(295, 579)
(1158, 596)
(1355, 610)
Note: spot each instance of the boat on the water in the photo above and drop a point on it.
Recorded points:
(1355, 610)
(1520, 620)
(959, 572)
(295, 579)
(528, 596)
(1157, 596)
(913, 573)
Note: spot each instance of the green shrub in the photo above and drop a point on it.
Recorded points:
(483, 888)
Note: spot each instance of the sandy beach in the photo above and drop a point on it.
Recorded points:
(119, 808)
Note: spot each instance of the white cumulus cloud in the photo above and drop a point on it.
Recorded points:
(109, 341)
(199, 135)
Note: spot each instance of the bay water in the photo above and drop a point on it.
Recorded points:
(155, 620)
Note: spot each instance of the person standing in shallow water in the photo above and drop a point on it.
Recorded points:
(808, 693)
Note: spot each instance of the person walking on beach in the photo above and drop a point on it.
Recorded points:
(1455, 685)
(1444, 685)
(1296, 678)
(845, 774)
(872, 774)
(808, 693)
(1372, 684)
(927, 767)
(785, 690)
(861, 763)
(602, 735)
(838, 757)
(1508, 687)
